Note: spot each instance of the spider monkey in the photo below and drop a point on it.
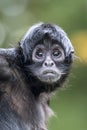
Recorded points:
(29, 73)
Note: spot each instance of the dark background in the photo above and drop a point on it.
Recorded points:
(16, 16)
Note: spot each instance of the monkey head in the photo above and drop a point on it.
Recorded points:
(48, 53)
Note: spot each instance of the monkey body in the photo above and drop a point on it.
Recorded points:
(30, 73)
(16, 109)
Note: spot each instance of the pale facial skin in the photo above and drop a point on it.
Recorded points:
(48, 55)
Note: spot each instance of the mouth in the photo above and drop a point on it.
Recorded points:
(49, 76)
(49, 73)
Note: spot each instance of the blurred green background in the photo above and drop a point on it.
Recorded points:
(16, 16)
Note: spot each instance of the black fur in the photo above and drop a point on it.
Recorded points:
(24, 99)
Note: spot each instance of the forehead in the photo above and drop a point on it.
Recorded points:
(48, 42)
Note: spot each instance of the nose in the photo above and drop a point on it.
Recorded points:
(49, 62)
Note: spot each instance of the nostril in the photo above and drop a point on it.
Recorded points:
(45, 64)
(52, 64)
(48, 64)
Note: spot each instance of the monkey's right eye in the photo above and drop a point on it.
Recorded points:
(39, 53)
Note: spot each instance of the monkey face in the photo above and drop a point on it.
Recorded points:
(46, 58)
(48, 53)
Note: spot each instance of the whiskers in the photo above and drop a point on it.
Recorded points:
(63, 73)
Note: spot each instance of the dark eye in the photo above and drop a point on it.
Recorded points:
(39, 53)
(56, 53)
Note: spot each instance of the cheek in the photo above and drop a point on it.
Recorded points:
(64, 68)
(36, 68)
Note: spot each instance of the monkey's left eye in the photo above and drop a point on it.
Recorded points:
(58, 54)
